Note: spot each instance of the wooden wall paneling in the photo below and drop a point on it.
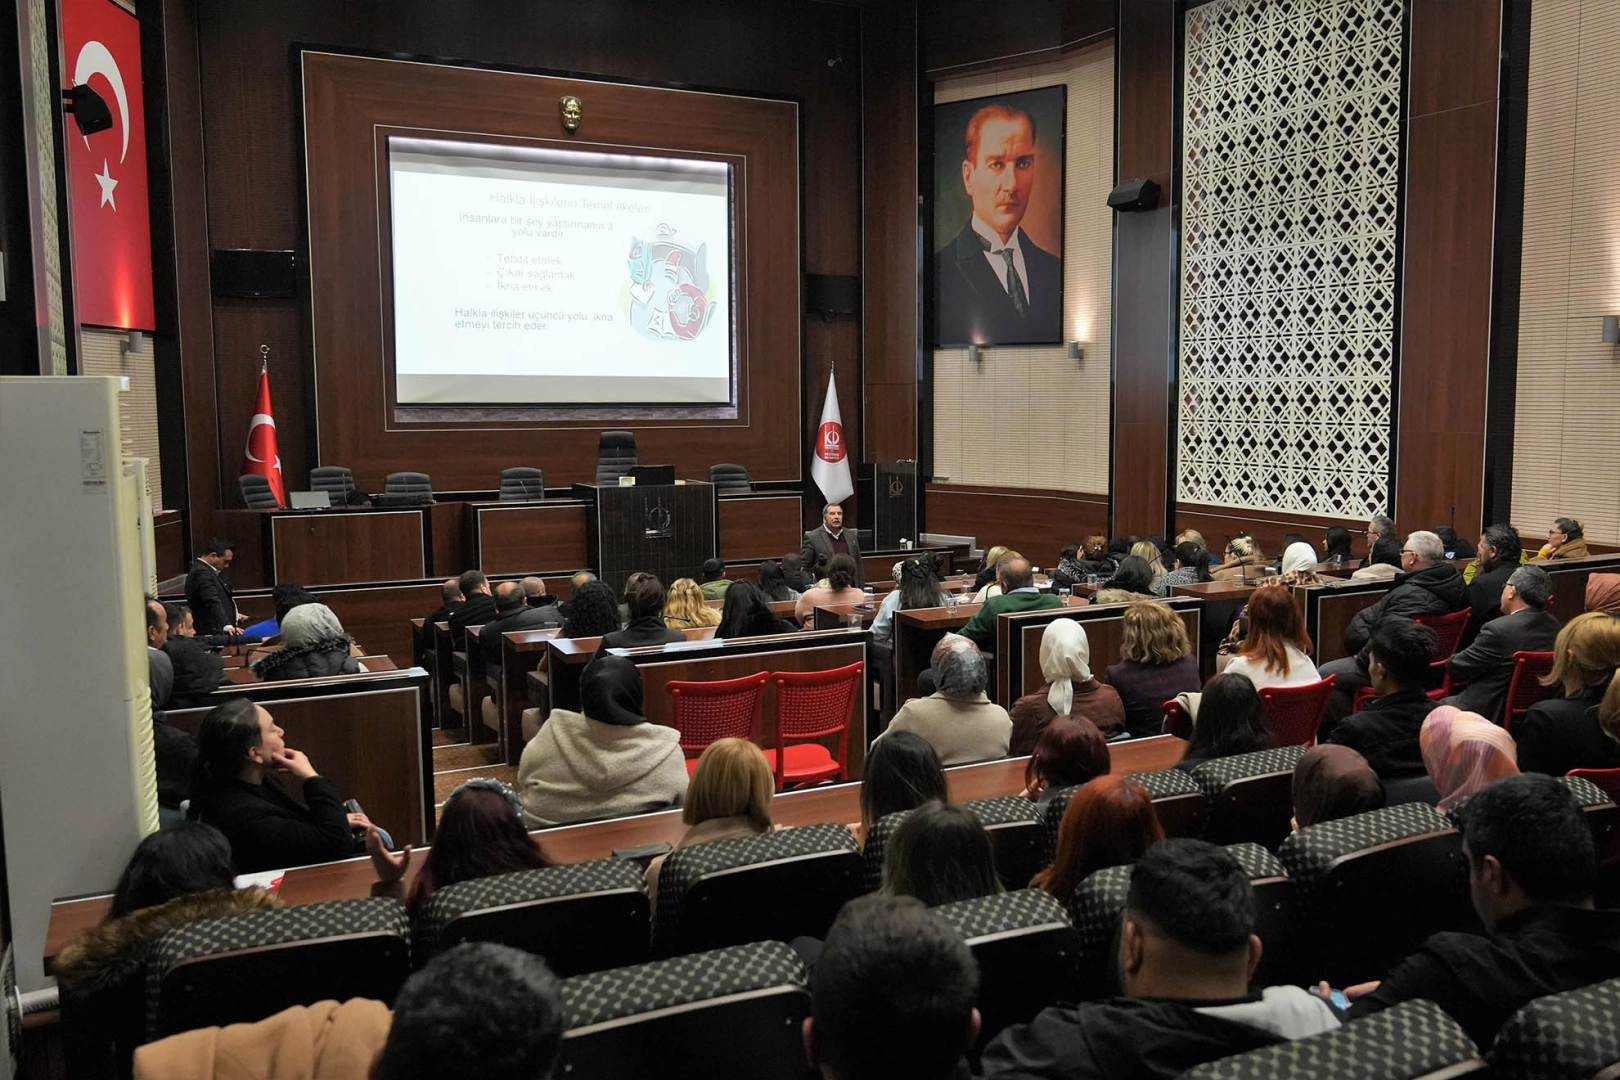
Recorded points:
(168, 537)
(1448, 242)
(378, 617)
(759, 526)
(1034, 523)
(524, 539)
(348, 548)
(1219, 525)
(448, 556)
(1144, 268)
(1104, 627)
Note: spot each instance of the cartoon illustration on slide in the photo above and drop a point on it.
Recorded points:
(669, 287)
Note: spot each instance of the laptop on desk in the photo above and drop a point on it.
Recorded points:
(311, 500)
(652, 474)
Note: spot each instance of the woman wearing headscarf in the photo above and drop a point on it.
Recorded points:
(1298, 567)
(315, 646)
(1070, 690)
(957, 720)
(1333, 782)
(1603, 593)
(1463, 753)
(605, 761)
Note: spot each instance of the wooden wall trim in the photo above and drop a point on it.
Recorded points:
(1035, 522)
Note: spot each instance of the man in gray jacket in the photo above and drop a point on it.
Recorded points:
(1525, 625)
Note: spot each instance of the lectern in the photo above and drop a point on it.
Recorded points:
(664, 529)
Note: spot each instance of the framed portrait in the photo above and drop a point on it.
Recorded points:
(998, 219)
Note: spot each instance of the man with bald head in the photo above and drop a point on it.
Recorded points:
(1018, 593)
(994, 285)
(512, 612)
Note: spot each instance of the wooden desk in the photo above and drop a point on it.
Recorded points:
(340, 546)
(1329, 609)
(563, 844)
(521, 651)
(1222, 599)
(1569, 581)
(377, 616)
(754, 526)
(836, 616)
(1018, 641)
(916, 632)
(546, 536)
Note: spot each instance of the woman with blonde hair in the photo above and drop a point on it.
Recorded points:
(1149, 552)
(729, 796)
(1156, 664)
(992, 587)
(987, 566)
(684, 608)
(1242, 552)
(1566, 732)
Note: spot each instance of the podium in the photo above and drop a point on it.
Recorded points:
(664, 529)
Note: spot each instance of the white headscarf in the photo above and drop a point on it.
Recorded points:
(1298, 556)
(1065, 660)
(309, 623)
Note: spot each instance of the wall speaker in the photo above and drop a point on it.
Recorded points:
(1134, 195)
(832, 294)
(255, 275)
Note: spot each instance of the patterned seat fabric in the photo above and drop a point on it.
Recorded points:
(1410, 1040)
(1166, 783)
(1309, 854)
(1021, 909)
(1214, 775)
(1057, 804)
(1573, 1034)
(686, 865)
(372, 916)
(1256, 861)
(452, 902)
(1002, 810)
(601, 996)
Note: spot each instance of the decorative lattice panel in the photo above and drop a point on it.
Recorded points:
(1290, 165)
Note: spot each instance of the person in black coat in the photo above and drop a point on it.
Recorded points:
(314, 647)
(746, 613)
(512, 612)
(239, 747)
(1499, 555)
(644, 599)
(1566, 732)
(213, 605)
(198, 672)
(1386, 730)
(828, 539)
(1525, 626)
(477, 609)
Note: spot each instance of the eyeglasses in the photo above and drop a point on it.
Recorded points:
(1407, 551)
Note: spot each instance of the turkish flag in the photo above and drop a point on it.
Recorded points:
(112, 226)
(261, 456)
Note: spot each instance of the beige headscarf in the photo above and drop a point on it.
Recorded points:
(308, 623)
(1065, 660)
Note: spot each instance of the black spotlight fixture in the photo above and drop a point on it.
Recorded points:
(89, 109)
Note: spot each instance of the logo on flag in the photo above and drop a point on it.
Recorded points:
(829, 467)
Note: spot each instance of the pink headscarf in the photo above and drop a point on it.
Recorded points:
(1603, 593)
(1464, 752)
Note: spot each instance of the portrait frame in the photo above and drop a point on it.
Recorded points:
(972, 301)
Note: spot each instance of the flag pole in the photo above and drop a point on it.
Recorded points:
(264, 359)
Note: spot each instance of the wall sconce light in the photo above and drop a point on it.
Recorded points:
(134, 343)
(975, 354)
(1077, 350)
(1611, 329)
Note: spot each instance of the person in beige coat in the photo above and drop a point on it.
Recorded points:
(958, 721)
(607, 761)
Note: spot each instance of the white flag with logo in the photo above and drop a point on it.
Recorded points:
(829, 468)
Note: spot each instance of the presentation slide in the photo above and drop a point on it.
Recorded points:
(538, 277)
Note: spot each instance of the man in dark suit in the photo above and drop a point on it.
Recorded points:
(821, 544)
(512, 612)
(994, 286)
(212, 604)
(1525, 626)
(477, 607)
(1500, 553)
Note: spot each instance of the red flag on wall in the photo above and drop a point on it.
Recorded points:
(261, 455)
(112, 226)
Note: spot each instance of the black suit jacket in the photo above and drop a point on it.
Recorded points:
(213, 605)
(972, 306)
(1487, 664)
(817, 551)
(523, 618)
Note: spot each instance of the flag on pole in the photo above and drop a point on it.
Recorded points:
(830, 467)
(261, 456)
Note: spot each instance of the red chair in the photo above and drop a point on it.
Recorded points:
(811, 706)
(1176, 720)
(1449, 629)
(1359, 702)
(1293, 713)
(1525, 689)
(705, 712)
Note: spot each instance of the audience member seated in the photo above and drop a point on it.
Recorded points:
(1187, 951)
(480, 834)
(773, 582)
(1336, 546)
(210, 599)
(1132, 580)
(577, 581)
(1276, 648)
(238, 747)
(746, 613)
(794, 572)
(1381, 527)
(842, 574)
(1298, 567)
(606, 761)
(593, 612)
(1070, 571)
(1563, 733)
(715, 582)
(174, 754)
(1531, 873)
(1228, 718)
(1332, 782)
(1526, 625)
(828, 539)
(1071, 751)
(1242, 553)
(538, 595)
(1096, 558)
(476, 608)
(1109, 822)
(512, 612)
(1018, 593)
(479, 1010)
(1427, 585)
(1196, 537)
(1191, 568)
(1383, 562)
(919, 588)
(450, 596)
(198, 672)
(1148, 551)
(958, 720)
(1499, 555)
(1565, 540)
(729, 796)
(159, 668)
(990, 566)
(1464, 752)
(892, 995)
(902, 773)
(645, 600)
(1603, 593)
(1458, 549)
(1386, 729)
(684, 608)
(940, 854)
(1156, 664)
(1069, 690)
(314, 647)
(287, 595)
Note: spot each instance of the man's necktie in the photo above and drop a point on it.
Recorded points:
(1015, 284)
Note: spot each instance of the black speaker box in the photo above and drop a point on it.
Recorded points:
(1134, 195)
(255, 275)
(832, 294)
